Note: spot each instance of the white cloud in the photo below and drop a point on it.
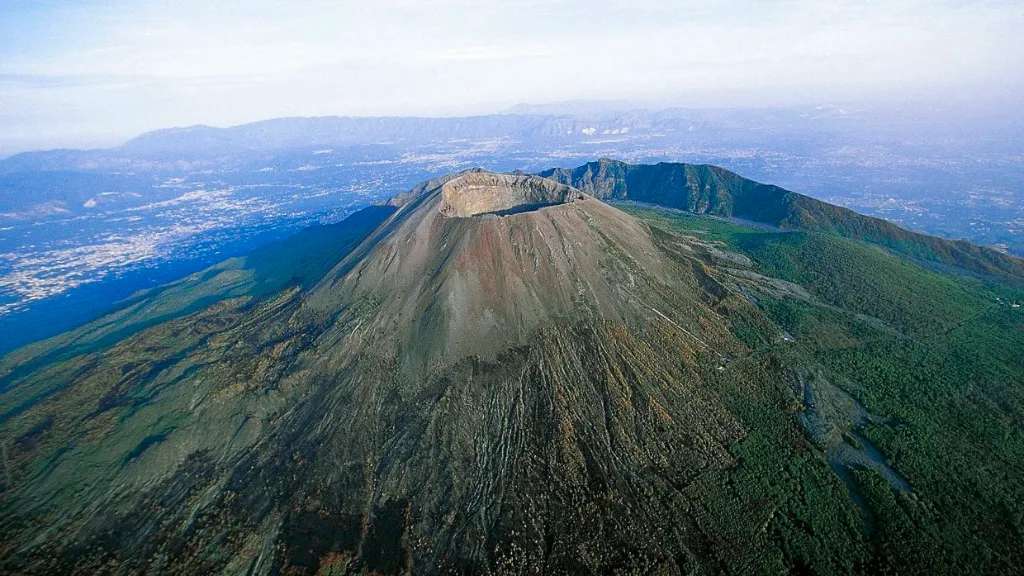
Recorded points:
(116, 69)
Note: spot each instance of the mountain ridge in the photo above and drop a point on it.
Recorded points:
(707, 189)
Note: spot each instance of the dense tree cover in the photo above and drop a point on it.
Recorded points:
(938, 355)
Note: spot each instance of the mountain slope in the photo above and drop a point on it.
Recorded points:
(415, 372)
(509, 375)
(925, 365)
(299, 260)
(704, 189)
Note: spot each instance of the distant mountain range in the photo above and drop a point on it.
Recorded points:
(614, 368)
(530, 125)
(205, 143)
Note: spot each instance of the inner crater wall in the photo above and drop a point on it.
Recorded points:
(477, 193)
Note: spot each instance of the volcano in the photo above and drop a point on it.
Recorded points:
(494, 373)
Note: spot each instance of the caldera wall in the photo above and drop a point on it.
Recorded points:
(478, 193)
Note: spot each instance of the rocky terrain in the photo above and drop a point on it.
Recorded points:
(503, 373)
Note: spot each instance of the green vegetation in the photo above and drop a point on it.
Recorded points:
(705, 189)
(938, 355)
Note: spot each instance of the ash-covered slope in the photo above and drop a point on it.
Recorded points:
(464, 389)
(506, 375)
(452, 277)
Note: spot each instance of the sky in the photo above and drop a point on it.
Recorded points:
(90, 73)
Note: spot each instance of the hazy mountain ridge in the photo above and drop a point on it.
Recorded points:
(210, 143)
(729, 127)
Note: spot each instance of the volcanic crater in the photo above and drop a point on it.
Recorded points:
(489, 194)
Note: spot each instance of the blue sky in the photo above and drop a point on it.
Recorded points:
(94, 73)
